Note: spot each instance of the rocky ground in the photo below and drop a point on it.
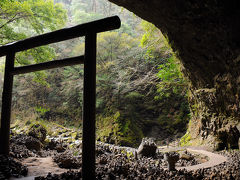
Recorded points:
(119, 166)
(112, 162)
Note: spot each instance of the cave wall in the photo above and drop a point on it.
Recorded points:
(206, 37)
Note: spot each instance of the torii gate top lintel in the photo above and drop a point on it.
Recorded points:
(102, 25)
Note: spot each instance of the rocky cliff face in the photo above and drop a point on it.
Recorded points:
(205, 35)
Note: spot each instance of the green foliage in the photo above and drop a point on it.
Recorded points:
(112, 45)
(83, 17)
(20, 19)
(107, 125)
(37, 55)
(132, 96)
(172, 87)
(85, 11)
(41, 110)
(172, 80)
(154, 41)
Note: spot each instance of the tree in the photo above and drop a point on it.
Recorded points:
(172, 79)
(20, 19)
(154, 41)
(35, 16)
(24, 18)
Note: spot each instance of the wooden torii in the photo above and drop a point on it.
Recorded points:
(89, 30)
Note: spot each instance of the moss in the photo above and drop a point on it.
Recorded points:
(55, 133)
(74, 135)
(118, 130)
(185, 140)
(130, 155)
(105, 125)
(133, 96)
(69, 140)
(131, 134)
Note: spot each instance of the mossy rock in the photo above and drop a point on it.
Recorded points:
(16, 124)
(74, 135)
(38, 131)
(28, 122)
(118, 129)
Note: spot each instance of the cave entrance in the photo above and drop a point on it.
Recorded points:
(89, 30)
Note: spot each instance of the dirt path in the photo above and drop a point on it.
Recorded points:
(40, 167)
(214, 159)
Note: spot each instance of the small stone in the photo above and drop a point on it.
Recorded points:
(186, 156)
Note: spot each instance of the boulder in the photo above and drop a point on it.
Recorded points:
(33, 143)
(147, 148)
(38, 131)
(67, 160)
(30, 142)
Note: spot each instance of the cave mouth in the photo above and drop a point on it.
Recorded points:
(205, 37)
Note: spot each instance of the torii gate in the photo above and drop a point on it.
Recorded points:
(89, 30)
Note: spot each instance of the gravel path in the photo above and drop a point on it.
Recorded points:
(214, 159)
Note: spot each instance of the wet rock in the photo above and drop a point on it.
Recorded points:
(184, 163)
(233, 137)
(52, 144)
(147, 148)
(60, 148)
(115, 162)
(99, 151)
